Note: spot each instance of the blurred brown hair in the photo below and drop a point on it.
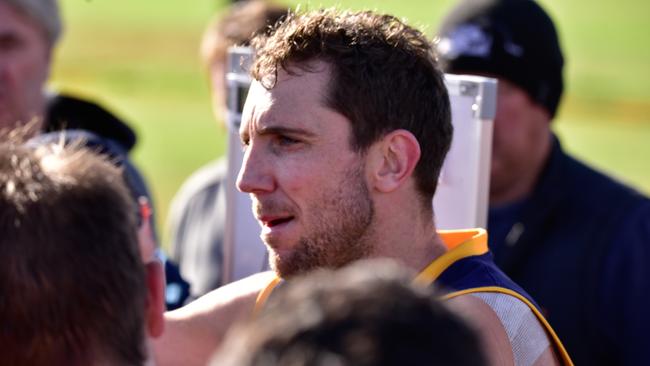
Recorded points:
(72, 282)
(237, 26)
(367, 313)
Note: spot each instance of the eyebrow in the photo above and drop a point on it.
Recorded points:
(8, 35)
(280, 130)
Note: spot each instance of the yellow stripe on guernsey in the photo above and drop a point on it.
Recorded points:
(264, 295)
(466, 243)
(566, 360)
(460, 244)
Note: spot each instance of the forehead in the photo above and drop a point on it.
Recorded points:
(297, 100)
(12, 20)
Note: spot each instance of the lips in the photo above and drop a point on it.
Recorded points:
(278, 221)
(278, 231)
(273, 221)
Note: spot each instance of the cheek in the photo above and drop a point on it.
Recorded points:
(40, 69)
(219, 107)
(219, 92)
(300, 181)
(30, 71)
(510, 123)
(303, 180)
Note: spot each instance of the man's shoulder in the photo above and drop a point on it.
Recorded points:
(478, 271)
(199, 327)
(196, 215)
(581, 188)
(204, 181)
(237, 297)
(595, 181)
(199, 191)
(509, 329)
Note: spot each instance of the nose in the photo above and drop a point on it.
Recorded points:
(255, 175)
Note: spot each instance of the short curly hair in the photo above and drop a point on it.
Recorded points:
(385, 77)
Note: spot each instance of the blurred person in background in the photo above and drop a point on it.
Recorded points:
(197, 214)
(29, 32)
(577, 240)
(76, 288)
(366, 314)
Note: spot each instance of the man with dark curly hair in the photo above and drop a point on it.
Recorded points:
(345, 129)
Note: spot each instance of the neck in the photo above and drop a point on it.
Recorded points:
(409, 238)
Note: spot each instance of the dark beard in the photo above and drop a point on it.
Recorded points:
(345, 219)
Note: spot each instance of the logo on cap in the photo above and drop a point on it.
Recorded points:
(470, 40)
(466, 40)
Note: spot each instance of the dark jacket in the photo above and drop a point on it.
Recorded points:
(580, 245)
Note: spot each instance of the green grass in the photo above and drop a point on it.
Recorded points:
(140, 58)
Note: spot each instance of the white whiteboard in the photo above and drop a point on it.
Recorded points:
(461, 199)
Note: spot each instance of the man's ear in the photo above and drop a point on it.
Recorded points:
(394, 158)
(155, 298)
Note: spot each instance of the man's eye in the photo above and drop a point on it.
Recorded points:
(244, 144)
(286, 141)
(9, 42)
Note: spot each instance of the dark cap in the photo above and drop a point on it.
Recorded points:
(511, 39)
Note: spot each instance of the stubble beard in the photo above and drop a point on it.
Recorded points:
(341, 231)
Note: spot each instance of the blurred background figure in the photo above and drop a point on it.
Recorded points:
(197, 214)
(76, 288)
(29, 32)
(368, 313)
(574, 238)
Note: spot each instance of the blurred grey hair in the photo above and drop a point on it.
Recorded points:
(45, 13)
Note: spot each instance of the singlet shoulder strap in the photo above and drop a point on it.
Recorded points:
(566, 360)
(263, 296)
(461, 244)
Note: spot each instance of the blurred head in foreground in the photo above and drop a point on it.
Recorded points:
(368, 313)
(80, 293)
